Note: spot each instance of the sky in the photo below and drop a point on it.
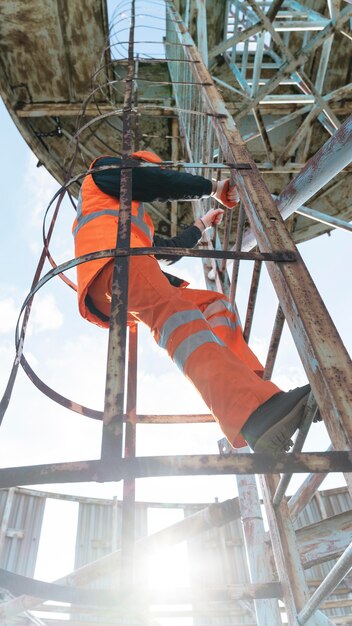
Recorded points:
(69, 354)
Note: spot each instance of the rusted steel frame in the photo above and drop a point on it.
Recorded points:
(287, 557)
(325, 362)
(300, 134)
(252, 299)
(202, 34)
(326, 116)
(199, 418)
(235, 39)
(111, 449)
(240, 79)
(274, 9)
(305, 493)
(303, 150)
(324, 540)
(258, 60)
(324, 218)
(226, 236)
(267, 611)
(129, 486)
(274, 343)
(230, 87)
(335, 576)
(182, 465)
(307, 86)
(244, 64)
(289, 67)
(238, 245)
(235, 29)
(216, 515)
(323, 64)
(333, 95)
(264, 135)
(175, 164)
(174, 157)
(310, 412)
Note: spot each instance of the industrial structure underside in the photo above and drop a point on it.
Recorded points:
(261, 92)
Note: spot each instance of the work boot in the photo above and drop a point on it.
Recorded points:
(270, 427)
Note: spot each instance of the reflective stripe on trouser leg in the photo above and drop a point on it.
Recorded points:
(216, 308)
(230, 389)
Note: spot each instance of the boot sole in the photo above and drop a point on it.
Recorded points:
(278, 437)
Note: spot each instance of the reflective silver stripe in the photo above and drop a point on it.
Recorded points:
(217, 307)
(79, 205)
(223, 321)
(83, 220)
(140, 223)
(136, 220)
(189, 345)
(175, 321)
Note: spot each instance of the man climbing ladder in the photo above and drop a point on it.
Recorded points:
(198, 328)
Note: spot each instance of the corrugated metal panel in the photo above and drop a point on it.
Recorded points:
(328, 504)
(95, 533)
(21, 537)
(217, 559)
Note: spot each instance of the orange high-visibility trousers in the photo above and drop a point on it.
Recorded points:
(200, 331)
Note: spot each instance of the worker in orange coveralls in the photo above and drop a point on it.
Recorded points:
(198, 328)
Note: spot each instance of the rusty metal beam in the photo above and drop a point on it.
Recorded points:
(305, 493)
(71, 109)
(111, 449)
(324, 540)
(233, 41)
(334, 577)
(182, 465)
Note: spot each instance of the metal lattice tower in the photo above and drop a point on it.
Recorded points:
(245, 89)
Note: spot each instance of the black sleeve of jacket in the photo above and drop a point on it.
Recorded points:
(152, 183)
(186, 239)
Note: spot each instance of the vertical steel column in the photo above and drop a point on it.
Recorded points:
(174, 157)
(287, 557)
(111, 451)
(274, 343)
(253, 291)
(267, 611)
(202, 31)
(129, 485)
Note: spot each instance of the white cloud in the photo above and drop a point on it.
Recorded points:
(40, 188)
(8, 315)
(46, 314)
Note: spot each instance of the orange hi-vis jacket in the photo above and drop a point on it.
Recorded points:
(95, 228)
